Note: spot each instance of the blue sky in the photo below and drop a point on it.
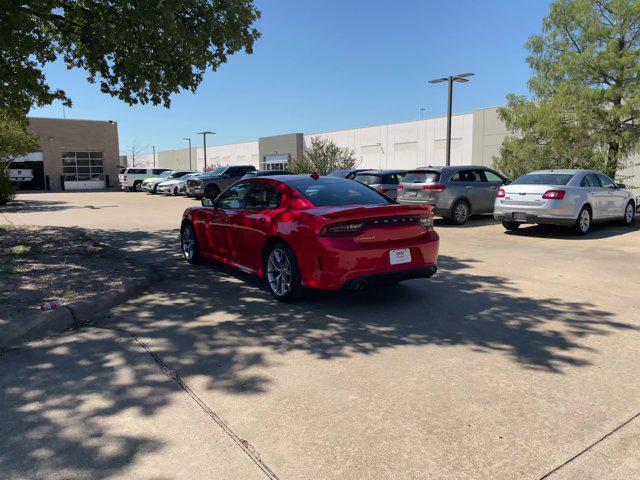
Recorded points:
(333, 64)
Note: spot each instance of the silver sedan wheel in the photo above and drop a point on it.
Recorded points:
(461, 212)
(584, 221)
(279, 272)
(188, 242)
(628, 213)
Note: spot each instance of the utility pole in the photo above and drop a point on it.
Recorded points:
(460, 78)
(189, 140)
(204, 141)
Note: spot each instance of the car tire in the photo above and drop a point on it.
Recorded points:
(280, 259)
(154, 190)
(189, 243)
(175, 191)
(137, 185)
(460, 212)
(583, 222)
(629, 213)
(511, 226)
(211, 192)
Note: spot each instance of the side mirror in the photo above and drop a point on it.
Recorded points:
(507, 181)
(207, 202)
(226, 175)
(621, 185)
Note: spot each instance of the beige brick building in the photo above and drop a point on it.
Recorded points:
(74, 155)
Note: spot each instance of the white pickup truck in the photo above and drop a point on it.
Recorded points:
(20, 175)
(131, 178)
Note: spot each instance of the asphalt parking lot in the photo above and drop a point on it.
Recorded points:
(517, 360)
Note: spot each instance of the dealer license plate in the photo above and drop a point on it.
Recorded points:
(520, 216)
(402, 255)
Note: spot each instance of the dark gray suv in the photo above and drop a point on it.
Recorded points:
(456, 192)
(210, 184)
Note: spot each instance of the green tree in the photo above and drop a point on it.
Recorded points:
(15, 141)
(323, 157)
(139, 52)
(584, 108)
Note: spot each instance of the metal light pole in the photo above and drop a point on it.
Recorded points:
(189, 140)
(204, 140)
(460, 78)
(422, 113)
(154, 156)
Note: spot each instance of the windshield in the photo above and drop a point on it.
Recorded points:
(216, 171)
(421, 177)
(543, 179)
(339, 173)
(368, 179)
(165, 174)
(330, 192)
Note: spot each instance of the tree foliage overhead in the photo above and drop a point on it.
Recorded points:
(584, 109)
(323, 157)
(15, 140)
(139, 51)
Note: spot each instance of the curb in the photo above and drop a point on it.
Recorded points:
(75, 314)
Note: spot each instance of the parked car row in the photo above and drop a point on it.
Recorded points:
(345, 231)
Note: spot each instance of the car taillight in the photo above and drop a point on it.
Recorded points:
(501, 193)
(342, 230)
(383, 190)
(436, 187)
(125, 178)
(553, 195)
(400, 187)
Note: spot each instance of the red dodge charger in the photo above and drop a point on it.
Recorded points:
(301, 231)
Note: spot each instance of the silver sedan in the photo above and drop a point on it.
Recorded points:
(575, 198)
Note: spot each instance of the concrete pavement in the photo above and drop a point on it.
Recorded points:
(517, 357)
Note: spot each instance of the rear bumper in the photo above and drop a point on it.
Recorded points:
(334, 264)
(533, 217)
(390, 277)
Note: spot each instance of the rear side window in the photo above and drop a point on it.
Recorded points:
(543, 179)
(368, 179)
(590, 180)
(333, 193)
(137, 171)
(123, 170)
(467, 176)
(421, 177)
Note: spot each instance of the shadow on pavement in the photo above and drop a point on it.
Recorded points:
(598, 231)
(218, 324)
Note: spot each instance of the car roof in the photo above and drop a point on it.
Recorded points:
(563, 171)
(381, 172)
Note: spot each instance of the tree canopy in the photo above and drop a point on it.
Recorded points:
(584, 108)
(323, 157)
(139, 52)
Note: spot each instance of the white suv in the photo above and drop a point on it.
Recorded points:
(131, 178)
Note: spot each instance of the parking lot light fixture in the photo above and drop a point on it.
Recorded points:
(204, 141)
(460, 78)
(189, 140)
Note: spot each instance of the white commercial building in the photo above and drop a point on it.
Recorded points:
(475, 139)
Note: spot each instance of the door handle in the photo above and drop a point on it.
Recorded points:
(468, 188)
(492, 188)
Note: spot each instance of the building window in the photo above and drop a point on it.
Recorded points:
(82, 166)
(275, 162)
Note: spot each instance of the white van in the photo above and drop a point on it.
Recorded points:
(131, 178)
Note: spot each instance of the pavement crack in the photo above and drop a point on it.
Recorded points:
(594, 444)
(174, 375)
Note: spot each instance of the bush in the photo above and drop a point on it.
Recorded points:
(7, 190)
(323, 156)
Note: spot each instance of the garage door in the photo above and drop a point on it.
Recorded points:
(83, 170)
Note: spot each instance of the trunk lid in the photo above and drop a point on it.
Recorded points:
(526, 195)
